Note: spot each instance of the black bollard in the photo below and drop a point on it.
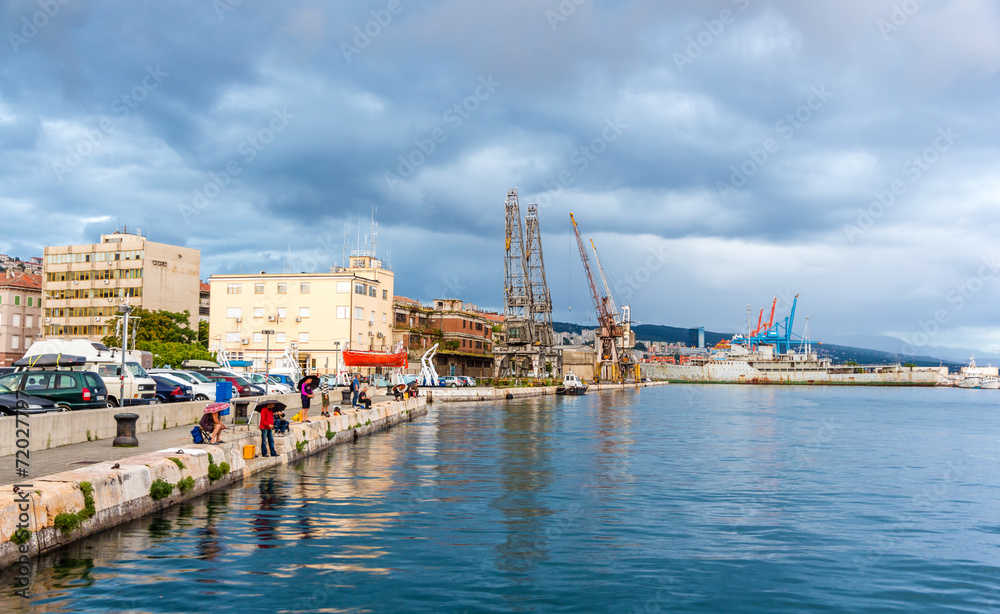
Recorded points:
(126, 431)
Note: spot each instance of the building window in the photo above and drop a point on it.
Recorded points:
(258, 288)
(341, 313)
(17, 319)
(383, 318)
(258, 312)
(361, 340)
(15, 342)
(385, 295)
(282, 312)
(27, 321)
(234, 312)
(303, 288)
(479, 326)
(463, 323)
(17, 299)
(373, 292)
(233, 337)
(303, 312)
(29, 304)
(279, 337)
(359, 313)
(359, 289)
(258, 338)
(282, 288)
(372, 319)
(343, 286)
(303, 337)
(234, 288)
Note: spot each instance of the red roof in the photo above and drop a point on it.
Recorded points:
(28, 281)
(403, 299)
(206, 287)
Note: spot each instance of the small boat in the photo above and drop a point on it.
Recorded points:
(571, 385)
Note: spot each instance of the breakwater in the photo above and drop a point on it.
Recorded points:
(446, 395)
(48, 512)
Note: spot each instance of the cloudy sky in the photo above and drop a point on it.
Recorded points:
(719, 153)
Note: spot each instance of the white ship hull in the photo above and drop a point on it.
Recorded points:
(791, 372)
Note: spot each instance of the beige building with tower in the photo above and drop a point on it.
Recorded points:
(20, 315)
(312, 316)
(83, 285)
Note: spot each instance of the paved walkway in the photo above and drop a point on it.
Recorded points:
(74, 456)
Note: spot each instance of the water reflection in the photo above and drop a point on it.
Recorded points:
(525, 473)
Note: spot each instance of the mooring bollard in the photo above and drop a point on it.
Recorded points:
(126, 431)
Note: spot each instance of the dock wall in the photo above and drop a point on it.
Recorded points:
(122, 491)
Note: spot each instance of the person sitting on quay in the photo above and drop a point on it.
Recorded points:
(364, 400)
(211, 424)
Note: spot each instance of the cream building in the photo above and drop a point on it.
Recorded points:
(84, 285)
(313, 316)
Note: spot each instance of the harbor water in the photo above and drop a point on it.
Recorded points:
(685, 498)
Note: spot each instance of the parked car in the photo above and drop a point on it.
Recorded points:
(451, 381)
(466, 380)
(253, 390)
(285, 379)
(169, 391)
(12, 402)
(202, 387)
(271, 385)
(67, 389)
(238, 389)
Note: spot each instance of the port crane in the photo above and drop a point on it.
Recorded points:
(614, 358)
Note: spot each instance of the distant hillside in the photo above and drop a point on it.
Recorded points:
(836, 353)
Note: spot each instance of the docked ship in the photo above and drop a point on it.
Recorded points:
(766, 355)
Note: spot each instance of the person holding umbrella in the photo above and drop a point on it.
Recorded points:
(267, 413)
(306, 388)
(210, 422)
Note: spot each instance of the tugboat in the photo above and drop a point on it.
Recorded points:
(571, 385)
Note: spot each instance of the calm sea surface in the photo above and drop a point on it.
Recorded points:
(680, 498)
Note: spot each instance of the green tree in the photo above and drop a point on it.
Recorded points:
(167, 335)
(203, 333)
(167, 326)
(170, 354)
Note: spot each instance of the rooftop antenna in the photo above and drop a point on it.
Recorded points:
(374, 230)
(343, 255)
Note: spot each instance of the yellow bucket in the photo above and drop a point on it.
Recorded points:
(249, 451)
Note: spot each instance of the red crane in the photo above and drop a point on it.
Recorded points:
(610, 330)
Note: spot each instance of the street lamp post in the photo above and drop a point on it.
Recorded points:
(267, 356)
(125, 310)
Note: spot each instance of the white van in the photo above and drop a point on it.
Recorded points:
(140, 389)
